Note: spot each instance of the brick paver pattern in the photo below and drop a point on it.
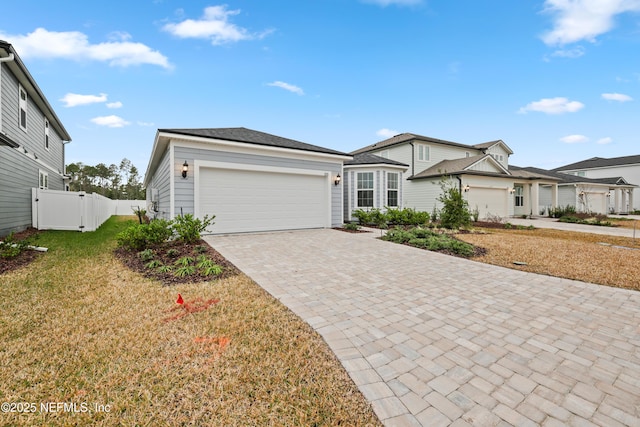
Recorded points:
(435, 340)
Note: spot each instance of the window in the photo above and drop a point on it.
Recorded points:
(46, 134)
(43, 182)
(581, 173)
(423, 152)
(22, 110)
(466, 154)
(519, 196)
(392, 190)
(365, 189)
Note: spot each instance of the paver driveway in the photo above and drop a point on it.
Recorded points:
(435, 340)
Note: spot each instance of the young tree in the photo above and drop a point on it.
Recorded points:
(455, 209)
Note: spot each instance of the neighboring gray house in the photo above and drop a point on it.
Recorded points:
(251, 181)
(32, 142)
(585, 194)
(628, 167)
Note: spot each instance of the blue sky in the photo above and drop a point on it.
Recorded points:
(557, 80)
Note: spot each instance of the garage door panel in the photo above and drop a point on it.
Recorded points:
(489, 201)
(244, 201)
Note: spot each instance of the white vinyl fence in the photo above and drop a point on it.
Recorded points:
(67, 210)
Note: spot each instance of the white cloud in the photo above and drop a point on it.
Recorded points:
(387, 133)
(75, 45)
(385, 3)
(606, 140)
(116, 104)
(556, 105)
(287, 86)
(110, 121)
(616, 97)
(146, 124)
(576, 20)
(573, 53)
(215, 26)
(574, 139)
(74, 99)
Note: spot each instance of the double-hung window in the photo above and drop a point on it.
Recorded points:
(519, 196)
(22, 108)
(423, 152)
(365, 189)
(392, 190)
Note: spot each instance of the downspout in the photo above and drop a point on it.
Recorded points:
(459, 183)
(64, 163)
(413, 160)
(9, 58)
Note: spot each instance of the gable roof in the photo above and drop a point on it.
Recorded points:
(460, 166)
(372, 159)
(406, 137)
(488, 145)
(18, 68)
(250, 136)
(601, 162)
(566, 178)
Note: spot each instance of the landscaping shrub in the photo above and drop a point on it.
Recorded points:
(188, 228)
(427, 239)
(455, 210)
(351, 226)
(363, 217)
(560, 211)
(12, 247)
(141, 236)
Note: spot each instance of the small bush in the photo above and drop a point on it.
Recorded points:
(352, 226)
(184, 261)
(363, 217)
(475, 214)
(146, 255)
(173, 253)
(425, 238)
(188, 228)
(559, 212)
(154, 264)
(12, 247)
(211, 270)
(455, 209)
(141, 236)
(185, 270)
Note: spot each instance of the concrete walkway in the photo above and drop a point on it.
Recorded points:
(594, 229)
(434, 340)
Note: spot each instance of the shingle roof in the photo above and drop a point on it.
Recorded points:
(371, 159)
(571, 179)
(486, 145)
(404, 137)
(600, 162)
(250, 136)
(453, 167)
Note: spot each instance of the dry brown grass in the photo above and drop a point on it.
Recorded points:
(81, 328)
(572, 255)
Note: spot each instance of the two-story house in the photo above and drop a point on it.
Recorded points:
(32, 142)
(415, 167)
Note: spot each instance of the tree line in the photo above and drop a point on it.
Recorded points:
(117, 182)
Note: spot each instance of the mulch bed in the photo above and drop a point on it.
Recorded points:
(26, 257)
(132, 260)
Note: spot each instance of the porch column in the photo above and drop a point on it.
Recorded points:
(624, 202)
(618, 201)
(554, 195)
(631, 208)
(535, 199)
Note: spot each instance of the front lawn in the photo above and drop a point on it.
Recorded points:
(82, 332)
(595, 258)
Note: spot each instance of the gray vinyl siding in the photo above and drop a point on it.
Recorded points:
(347, 190)
(33, 140)
(161, 182)
(566, 196)
(184, 188)
(18, 175)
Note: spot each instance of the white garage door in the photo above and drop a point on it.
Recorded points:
(249, 200)
(489, 201)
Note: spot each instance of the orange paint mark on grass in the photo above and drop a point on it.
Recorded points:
(194, 306)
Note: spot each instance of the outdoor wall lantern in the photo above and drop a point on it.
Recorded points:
(609, 194)
(337, 180)
(512, 190)
(581, 193)
(466, 188)
(185, 169)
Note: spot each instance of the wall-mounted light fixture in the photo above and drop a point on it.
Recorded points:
(337, 180)
(466, 188)
(512, 190)
(609, 194)
(581, 194)
(185, 169)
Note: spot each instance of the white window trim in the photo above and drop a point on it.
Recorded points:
(372, 189)
(426, 155)
(43, 180)
(397, 189)
(47, 140)
(22, 105)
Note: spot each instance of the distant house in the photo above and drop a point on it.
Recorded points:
(627, 169)
(584, 194)
(32, 142)
(481, 172)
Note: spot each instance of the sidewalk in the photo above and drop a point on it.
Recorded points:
(594, 229)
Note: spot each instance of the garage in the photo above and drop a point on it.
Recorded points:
(248, 198)
(488, 201)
